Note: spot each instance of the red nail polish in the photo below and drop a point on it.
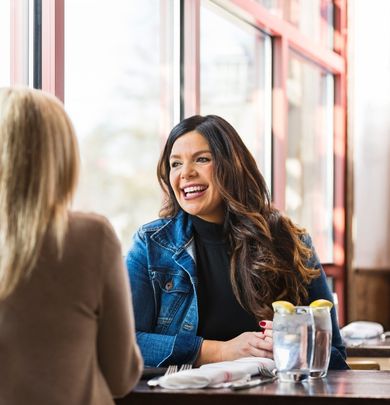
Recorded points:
(262, 324)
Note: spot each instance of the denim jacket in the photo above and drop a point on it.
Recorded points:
(162, 270)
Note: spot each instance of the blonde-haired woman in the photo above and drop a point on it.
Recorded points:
(66, 322)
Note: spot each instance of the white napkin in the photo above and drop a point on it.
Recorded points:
(362, 330)
(215, 373)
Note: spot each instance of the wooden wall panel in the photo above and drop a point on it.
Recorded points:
(369, 296)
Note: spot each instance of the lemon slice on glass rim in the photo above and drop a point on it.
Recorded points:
(283, 307)
(321, 303)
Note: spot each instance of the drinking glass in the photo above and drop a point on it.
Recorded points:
(322, 342)
(293, 339)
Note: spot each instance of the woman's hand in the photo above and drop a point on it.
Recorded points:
(256, 344)
(267, 330)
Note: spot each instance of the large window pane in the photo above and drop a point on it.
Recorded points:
(5, 41)
(309, 164)
(313, 17)
(235, 66)
(116, 92)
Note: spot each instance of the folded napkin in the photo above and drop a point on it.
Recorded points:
(362, 330)
(215, 373)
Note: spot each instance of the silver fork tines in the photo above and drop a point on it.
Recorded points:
(266, 372)
(252, 383)
(269, 376)
(155, 381)
(185, 367)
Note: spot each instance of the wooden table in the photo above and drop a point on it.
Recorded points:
(339, 388)
(371, 349)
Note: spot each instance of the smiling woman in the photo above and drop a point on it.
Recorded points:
(191, 178)
(205, 274)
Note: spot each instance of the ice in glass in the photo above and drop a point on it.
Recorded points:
(323, 342)
(293, 341)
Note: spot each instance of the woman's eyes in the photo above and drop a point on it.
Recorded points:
(203, 159)
(199, 159)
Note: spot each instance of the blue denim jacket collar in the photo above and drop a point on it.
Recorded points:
(177, 237)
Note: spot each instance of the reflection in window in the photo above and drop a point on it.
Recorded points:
(235, 66)
(313, 17)
(309, 165)
(114, 95)
(5, 41)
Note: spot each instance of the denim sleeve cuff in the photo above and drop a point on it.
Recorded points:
(185, 350)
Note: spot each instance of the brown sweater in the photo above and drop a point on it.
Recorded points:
(67, 333)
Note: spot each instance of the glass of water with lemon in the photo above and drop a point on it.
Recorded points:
(323, 338)
(293, 341)
(302, 339)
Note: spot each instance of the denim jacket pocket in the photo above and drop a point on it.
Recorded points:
(173, 295)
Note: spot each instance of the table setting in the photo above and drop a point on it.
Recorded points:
(302, 342)
(227, 374)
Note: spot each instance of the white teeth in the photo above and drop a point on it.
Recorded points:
(194, 189)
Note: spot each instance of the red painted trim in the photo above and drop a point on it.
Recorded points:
(279, 121)
(301, 43)
(53, 47)
(191, 86)
(338, 274)
(340, 148)
(19, 42)
(338, 268)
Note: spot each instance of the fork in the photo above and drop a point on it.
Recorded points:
(153, 382)
(270, 376)
(266, 372)
(185, 367)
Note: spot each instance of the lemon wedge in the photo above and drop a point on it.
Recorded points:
(283, 307)
(321, 304)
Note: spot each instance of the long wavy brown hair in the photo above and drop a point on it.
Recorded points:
(268, 259)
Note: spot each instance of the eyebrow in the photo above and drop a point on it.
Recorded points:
(200, 152)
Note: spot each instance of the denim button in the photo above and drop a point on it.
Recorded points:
(169, 285)
(188, 326)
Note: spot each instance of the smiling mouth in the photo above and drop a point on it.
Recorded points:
(193, 190)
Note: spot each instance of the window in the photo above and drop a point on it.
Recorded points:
(309, 163)
(235, 79)
(313, 18)
(116, 95)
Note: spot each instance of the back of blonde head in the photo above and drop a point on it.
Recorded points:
(39, 163)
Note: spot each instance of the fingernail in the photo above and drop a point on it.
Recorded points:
(262, 324)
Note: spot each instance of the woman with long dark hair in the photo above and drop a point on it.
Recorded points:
(205, 274)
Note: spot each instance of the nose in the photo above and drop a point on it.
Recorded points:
(187, 171)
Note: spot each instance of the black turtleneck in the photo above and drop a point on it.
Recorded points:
(220, 315)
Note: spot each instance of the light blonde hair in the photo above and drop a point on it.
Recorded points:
(39, 165)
